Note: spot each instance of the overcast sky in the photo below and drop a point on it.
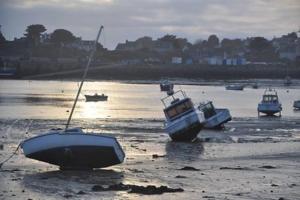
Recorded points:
(130, 19)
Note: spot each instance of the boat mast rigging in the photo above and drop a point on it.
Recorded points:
(84, 76)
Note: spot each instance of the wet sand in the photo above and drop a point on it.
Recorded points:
(252, 158)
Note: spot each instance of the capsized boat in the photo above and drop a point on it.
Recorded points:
(235, 87)
(183, 121)
(296, 104)
(269, 104)
(72, 148)
(96, 97)
(214, 117)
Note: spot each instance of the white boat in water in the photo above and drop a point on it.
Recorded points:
(183, 120)
(269, 104)
(214, 117)
(72, 148)
(96, 97)
(296, 104)
(235, 87)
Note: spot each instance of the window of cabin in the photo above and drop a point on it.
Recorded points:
(181, 108)
(171, 112)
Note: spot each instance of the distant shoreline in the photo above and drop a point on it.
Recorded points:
(261, 83)
(189, 74)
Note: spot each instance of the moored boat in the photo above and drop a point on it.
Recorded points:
(183, 120)
(167, 86)
(269, 104)
(214, 117)
(235, 87)
(96, 97)
(296, 104)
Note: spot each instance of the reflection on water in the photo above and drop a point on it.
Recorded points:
(184, 151)
(45, 99)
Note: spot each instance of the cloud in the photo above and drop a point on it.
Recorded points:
(135, 18)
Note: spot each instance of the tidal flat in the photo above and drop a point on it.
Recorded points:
(251, 158)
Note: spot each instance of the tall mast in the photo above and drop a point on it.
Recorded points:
(84, 75)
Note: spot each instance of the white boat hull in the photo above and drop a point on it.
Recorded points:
(222, 116)
(185, 128)
(74, 150)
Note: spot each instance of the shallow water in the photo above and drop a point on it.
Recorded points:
(52, 99)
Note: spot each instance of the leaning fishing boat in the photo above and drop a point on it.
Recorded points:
(183, 121)
(72, 148)
(269, 104)
(214, 117)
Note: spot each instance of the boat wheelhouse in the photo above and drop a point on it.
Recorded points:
(214, 117)
(183, 120)
(269, 104)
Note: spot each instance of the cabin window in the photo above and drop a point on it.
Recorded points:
(270, 99)
(178, 109)
(171, 113)
(188, 105)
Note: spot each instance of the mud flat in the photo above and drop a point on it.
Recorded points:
(252, 158)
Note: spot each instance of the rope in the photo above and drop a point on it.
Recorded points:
(14, 153)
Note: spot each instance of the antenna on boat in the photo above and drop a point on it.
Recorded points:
(84, 75)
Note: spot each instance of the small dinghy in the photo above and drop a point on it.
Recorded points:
(234, 87)
(214, 117)
(269, 104)
(183, 120)
(72, 148)
(296, 104)
(96, 97)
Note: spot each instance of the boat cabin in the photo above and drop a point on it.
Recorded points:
(177, 107)
(208, 109)
(270, 98)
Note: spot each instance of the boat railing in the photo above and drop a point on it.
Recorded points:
(176, 96)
